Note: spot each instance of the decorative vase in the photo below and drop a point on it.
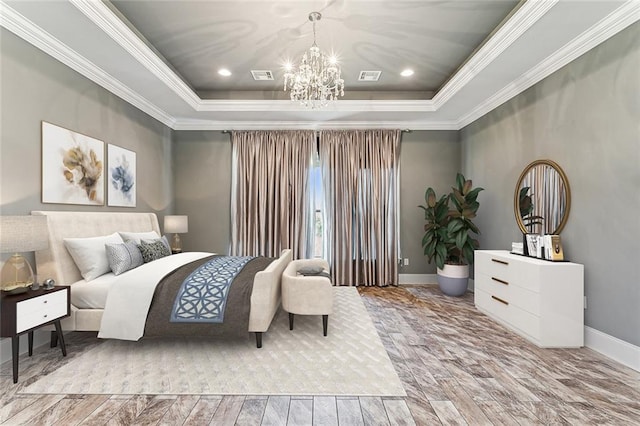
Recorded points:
(453, 279)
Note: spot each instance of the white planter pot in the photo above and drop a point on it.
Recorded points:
(453, 279)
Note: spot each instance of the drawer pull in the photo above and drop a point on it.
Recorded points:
(45, 301)
(500, 261)
(500, 281)
(500, 300)
(45, 315)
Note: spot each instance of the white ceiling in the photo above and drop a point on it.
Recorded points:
(469, 56)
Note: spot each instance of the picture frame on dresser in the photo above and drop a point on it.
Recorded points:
(532, 244)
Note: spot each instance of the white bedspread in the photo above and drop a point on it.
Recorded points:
(129, 298)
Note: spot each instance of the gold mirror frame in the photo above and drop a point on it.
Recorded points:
(516, 196)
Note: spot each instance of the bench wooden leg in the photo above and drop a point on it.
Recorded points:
(325, 324)
(258, 340)
(290, 321)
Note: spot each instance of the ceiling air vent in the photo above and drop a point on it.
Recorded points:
(262, 75)
(369, 75)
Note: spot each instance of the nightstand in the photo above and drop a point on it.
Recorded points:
(25, 312)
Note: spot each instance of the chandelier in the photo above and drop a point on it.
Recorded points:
(317, 79)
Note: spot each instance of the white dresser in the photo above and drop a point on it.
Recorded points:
(542, 301)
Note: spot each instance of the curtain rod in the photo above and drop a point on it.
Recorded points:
(402, 130)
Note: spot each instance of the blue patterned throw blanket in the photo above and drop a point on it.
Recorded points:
(202, 297)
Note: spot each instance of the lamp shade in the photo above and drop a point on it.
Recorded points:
(20, 234)
(178, 224)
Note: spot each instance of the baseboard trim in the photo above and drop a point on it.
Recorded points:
(427, 279)
(618, 350)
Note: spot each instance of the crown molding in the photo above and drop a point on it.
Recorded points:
(521, 20)
(25, 29)
(339, 106)
(100, 14)
(607, 27)
(529, 13)
(311, 125)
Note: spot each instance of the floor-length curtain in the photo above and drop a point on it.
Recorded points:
(270, 201)
(360, 173)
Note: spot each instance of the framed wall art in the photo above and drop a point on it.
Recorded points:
(121, 179)
(72, 167)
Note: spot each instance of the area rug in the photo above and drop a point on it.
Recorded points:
(351, 360)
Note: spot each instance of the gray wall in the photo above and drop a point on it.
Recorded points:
(202, 164)
(36, 87)
(586, 118)
(427, 158)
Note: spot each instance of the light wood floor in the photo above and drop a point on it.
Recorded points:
(457, 366)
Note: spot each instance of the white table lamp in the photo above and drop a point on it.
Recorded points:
(19, 234)
(176, 225)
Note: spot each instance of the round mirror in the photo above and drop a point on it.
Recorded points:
(542, 198)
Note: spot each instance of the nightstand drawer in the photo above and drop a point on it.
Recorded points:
(39, 310)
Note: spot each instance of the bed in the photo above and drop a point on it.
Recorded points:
(90, 298)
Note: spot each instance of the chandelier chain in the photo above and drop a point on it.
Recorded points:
(314, 33)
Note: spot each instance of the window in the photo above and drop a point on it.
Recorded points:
(317, 195)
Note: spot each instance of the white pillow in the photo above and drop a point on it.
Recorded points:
(90, 254)
(137, 236)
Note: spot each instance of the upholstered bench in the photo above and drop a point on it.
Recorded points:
(308, 294)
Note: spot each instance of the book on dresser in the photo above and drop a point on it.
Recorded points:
(540, 300)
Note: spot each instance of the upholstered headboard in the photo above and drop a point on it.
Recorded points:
(56, 262)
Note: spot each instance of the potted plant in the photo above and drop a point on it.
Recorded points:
(448, 236)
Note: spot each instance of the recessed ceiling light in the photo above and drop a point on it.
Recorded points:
(407, 73)
(224, 72)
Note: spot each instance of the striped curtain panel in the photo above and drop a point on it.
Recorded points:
(360, 177)
(270, 196)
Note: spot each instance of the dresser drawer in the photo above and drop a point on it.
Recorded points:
(526, 322)
(521, 274)
(39, 310)
(509, 314)
(492, 304)
(492, 285)
(509, 292)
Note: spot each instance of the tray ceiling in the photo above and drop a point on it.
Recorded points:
(468, 56)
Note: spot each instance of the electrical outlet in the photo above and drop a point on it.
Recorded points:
(406, 261)
(585, 302)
